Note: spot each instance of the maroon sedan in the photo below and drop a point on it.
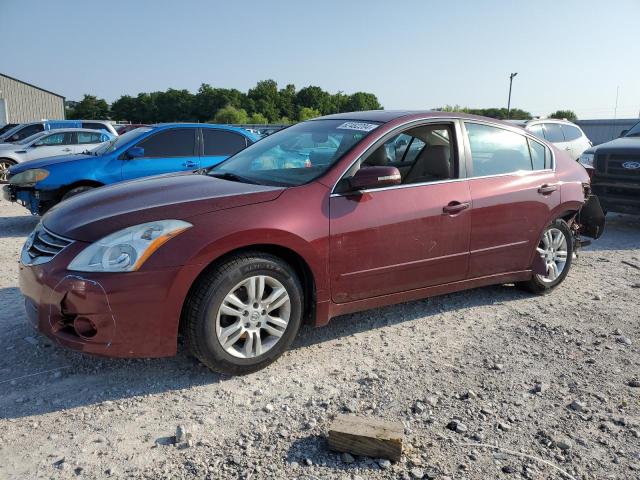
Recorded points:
(330, 216)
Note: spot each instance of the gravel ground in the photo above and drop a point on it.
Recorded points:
(489, 383)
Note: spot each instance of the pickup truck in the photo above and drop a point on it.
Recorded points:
(614, 168)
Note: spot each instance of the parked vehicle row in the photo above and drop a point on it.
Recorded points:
(327, 217)
(49, 144)
(24, 130)
(154, 150)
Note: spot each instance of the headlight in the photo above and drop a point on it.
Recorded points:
(29, 177)
(586, 160)
(126, 250)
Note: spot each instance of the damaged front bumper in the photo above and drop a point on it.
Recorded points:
(116, 315)
(34, 200)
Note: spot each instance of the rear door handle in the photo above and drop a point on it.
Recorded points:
(455, 207)
(547, 189)
(190, 164)
(66, 149)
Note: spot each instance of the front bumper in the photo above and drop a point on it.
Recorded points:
(134, 314)
(29, 197)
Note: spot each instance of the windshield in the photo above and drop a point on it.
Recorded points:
(24, 141)
(634, 131)
(117, 142)
(10, 132)
(295, 155)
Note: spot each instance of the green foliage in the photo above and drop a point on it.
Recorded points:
(564, 114)
(89, 108)
(258, 118)
(264, 102)
(231, 114)
(498, 113)
(307, 113)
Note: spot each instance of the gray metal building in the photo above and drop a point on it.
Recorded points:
(21, 102)
(604, 130)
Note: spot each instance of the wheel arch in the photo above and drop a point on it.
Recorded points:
(80, 183)
(292, 257)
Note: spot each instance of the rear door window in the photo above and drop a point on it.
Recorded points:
(571, 132)
(177, 142)
(222, 143)
(540, 155)
(496, 151)
(537, 130)
(89, 137)
(553, 132)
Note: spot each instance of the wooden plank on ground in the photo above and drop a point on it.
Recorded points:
(366, 436)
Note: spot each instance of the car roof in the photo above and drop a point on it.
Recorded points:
(385, 116)
(76, 129)
(213, 126)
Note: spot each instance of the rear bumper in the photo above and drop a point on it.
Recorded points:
(591, 218)
(130, 315)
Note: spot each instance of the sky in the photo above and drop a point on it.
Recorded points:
(413, 54)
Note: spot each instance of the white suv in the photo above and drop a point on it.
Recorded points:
(562, 133)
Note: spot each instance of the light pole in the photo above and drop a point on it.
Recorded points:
(509, 101)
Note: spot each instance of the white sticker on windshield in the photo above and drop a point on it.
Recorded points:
(360, 126)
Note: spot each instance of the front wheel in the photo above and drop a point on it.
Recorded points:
(76, 191)
(556, 251)
(5, 164)
(244, 314)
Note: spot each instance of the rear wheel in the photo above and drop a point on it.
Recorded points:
(244, 314)
(556, 251)
(5, 164)
(75, 191)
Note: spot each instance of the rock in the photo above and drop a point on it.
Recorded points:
(539, 387)
(347, 458)
(59, 464)
(577, 406)
(469, 395)
(311, 424)
(563, 443)
(617, 331)
(268, 408)
(384, 463)
(634, 383)
(110, 471)
(417, 473)
(419, 408)
(498, 366)
(457, 426)
(182, 434)
(505, 427)
(597, 297)
(624, 340)
(308, 462)
(508, 469)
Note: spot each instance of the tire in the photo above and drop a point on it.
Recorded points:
(541, 284)
(75, 191)
(5, 163)
(206, 324)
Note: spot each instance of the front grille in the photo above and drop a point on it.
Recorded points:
(42, 245)
(611, 166)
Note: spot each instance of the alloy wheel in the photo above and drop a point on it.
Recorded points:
(553, 250)
(253, 317)
(4, 171)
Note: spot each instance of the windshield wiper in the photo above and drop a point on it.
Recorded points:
(233, 177)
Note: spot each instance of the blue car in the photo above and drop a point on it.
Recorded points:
(154, 150)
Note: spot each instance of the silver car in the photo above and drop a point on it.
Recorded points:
(562, 133)
(65, 141)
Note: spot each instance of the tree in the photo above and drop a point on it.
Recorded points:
(265, 95)
(498, 113)
(258, 118)
(174, 105)
(230, 114)
(362, 101)
(308, 113)
(564, 114)
(315, 98)
(89, 108)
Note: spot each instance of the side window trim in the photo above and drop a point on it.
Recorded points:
(467, 151)
(459, 150)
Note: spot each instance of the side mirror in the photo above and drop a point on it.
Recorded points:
(14, 138)
(135, 152)
(623, 132)
(375, 177)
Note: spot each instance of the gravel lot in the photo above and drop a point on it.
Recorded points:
(489, 383)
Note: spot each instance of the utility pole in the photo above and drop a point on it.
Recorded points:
(509, 101)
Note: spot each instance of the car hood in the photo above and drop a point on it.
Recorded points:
(45, 162)
(619, 145)
(92, 215)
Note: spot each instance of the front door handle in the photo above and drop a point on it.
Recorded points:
(455, 207)
(547, 189)
(66, 149)
(190, 164)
